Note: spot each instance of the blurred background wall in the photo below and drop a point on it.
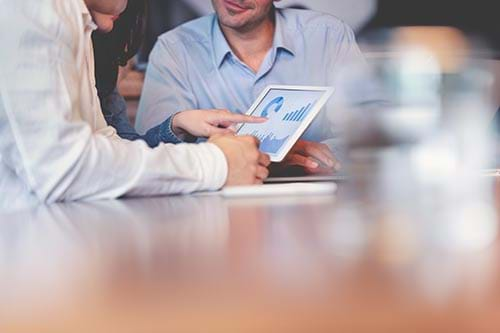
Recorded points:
(479, 18)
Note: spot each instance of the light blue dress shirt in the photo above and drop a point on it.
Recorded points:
(193, 67)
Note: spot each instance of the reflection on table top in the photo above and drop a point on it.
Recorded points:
(206, 264)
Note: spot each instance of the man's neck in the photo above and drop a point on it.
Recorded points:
(252, 44)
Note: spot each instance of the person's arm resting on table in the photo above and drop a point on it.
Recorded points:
(55, 151)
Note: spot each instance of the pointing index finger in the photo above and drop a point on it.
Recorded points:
(241, 118)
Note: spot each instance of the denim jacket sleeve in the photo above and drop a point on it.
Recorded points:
(114, 109)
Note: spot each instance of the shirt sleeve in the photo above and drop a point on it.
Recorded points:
(45, 140)
(166, 88)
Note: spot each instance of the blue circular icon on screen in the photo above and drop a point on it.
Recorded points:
(277, 103)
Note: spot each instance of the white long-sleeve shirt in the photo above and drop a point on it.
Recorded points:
(54, 142)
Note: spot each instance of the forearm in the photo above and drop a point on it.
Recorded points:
(80, 165)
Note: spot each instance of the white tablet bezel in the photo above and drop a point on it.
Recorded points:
(327, 93)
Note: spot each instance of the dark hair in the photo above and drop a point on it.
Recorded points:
(116, 48)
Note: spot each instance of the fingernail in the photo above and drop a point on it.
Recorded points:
(314, 165)
(331, 163)
(338, 166)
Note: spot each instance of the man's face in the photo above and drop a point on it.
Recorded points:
(242, 14)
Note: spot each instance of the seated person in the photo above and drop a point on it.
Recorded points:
(116, 48)
(225, 60)
(55, 144)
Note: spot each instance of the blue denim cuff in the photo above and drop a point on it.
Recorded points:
(167, 133)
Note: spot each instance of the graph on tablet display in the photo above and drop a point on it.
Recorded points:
(285, 110)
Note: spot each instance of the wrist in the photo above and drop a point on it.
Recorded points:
(177, 126)
(220, 174)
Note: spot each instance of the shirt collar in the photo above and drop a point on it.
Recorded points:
(281, 39)
(220, 44)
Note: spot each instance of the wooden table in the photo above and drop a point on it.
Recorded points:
(208, 264)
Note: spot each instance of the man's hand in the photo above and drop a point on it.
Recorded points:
(315, 158)
(246, 164)
(206, 123)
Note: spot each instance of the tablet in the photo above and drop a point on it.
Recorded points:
(306, 179)
(290, 110)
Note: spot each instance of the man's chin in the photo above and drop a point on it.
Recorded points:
(235, 23)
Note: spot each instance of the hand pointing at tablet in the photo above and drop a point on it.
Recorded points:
(206, 123)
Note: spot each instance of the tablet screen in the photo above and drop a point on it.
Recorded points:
(286, 111)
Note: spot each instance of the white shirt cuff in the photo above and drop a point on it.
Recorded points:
(215, 167)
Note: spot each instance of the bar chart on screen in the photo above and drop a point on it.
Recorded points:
(298, 115)
(285, 110)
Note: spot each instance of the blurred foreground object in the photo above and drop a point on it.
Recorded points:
(420, 153)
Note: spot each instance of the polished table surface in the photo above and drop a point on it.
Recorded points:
(209, 264)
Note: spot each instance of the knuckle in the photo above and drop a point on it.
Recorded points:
(251, 140)
(255, 155)
(310, 148)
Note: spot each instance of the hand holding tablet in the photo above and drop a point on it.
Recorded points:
(314, 157)
(289, 110)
